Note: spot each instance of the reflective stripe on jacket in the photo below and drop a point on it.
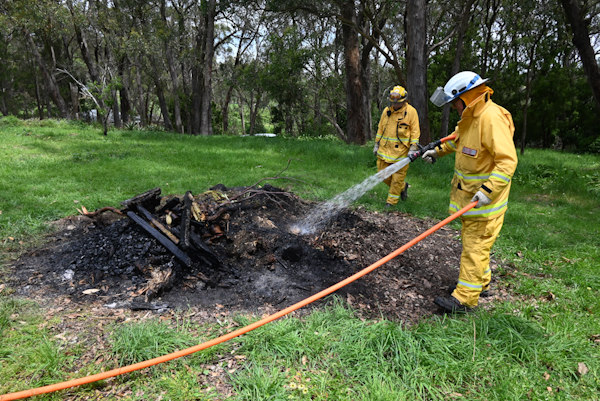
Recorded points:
(397, 132)
(486, 158)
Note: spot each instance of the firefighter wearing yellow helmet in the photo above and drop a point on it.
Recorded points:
(397, 135)
(485, 162)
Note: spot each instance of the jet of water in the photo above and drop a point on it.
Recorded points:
(320, 215)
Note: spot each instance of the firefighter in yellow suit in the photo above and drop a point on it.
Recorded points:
(485, 161)
(397, 135)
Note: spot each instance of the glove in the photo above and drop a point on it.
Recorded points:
(482, 199)
(375, 148)
(430, 156)
(413, 152)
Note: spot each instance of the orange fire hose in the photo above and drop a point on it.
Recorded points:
(178, 354)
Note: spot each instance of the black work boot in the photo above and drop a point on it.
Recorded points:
(451, 305)
(404, 193)
(388, 206)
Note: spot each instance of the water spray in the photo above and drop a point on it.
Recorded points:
(324, 212)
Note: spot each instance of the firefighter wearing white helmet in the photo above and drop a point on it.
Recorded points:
(398, 134)
(485, 162)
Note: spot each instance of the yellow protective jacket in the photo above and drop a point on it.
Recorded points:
(397, 131)
(486, 158)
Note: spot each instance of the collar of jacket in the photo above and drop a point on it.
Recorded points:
(477, 106)
(400, 110)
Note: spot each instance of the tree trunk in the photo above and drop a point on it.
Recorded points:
(254, 112)
(116, 110)
(581, 40)
(85, 52)
(197, 82)
(416, 60)
(3, 108)
(492, 7)
(164, 109)
(365, 78)
(463, 25)
(175, 84)
(225, 109)
(173, 73)
(50, 81)
(196, 100)
(38, 93)
(124, 92)
(74, 100)
(142, 105)
(354, 89)
(209, 52)
(530, 69)
(241, 107)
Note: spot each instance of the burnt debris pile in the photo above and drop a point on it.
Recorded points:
(235, 248)
(200, 241)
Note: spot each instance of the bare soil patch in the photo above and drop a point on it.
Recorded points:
(109, 260)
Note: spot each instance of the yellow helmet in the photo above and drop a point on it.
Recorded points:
(398, 94)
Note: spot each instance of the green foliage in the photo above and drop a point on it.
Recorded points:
(595, 146)
(548, 257)
(10, 121)
(287, 58)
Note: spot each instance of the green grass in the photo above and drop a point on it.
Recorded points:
(485, 356)
(527, 347)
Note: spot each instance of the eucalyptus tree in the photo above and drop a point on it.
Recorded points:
(246, 35)
(347, 12)
(452, 21)
(283, 76)
(580, 17)
(41, 26)
(167, 27)
(15, 71)
(532, 40)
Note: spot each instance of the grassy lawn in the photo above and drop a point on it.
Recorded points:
(542, 343)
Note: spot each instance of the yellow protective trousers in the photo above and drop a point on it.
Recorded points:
(395, 181)
(478, 237)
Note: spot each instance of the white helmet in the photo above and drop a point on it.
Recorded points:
(456, 86)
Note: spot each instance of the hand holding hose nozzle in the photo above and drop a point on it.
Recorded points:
(423, 150)
(428, 152)
(430, 156)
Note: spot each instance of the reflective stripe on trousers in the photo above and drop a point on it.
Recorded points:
(478, 237)
(395, 181)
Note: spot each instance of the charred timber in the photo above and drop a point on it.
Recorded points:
(157, 224)
(149, 199)
(186, 216)
(167, 243)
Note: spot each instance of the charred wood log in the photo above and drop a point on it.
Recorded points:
(186, 215)
(201, 251)
(149, 199)
(207, 254)
(158, 224)
(179, 254)
(169, 205)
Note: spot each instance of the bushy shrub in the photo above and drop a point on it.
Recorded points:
(595, 146)
(10, 121)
